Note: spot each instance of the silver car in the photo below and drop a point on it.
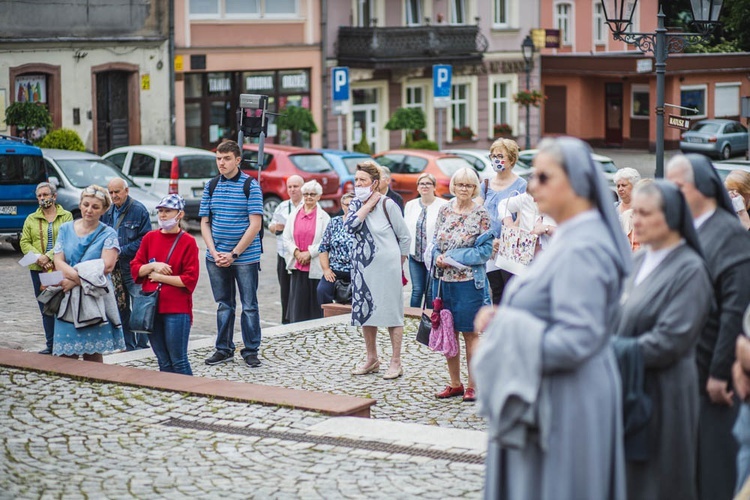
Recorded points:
(71, 171)
(717, 138)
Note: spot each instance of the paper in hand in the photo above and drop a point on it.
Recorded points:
(28, 259)
(49, 279)
(454, 263)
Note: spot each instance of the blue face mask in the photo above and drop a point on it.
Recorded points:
(498, 165)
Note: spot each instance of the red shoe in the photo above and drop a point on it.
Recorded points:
(470, 395)
(450, 392)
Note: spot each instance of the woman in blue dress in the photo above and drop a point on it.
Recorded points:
(83, 240)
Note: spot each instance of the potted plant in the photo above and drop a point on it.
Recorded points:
(463, 134)
(297, 120)
(27, 116)
(502, 129)
(408, 119)
(529, 97)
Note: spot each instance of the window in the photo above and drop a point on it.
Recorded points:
(500, 103)
(500, 13)
(415, 97)
(364, 13)
(727, 100)
(600, 29)
(213, 9)
(693, 96)
(413, 12)
(563, 21)
(458, 12)
(640, 101)
(460, 108)
(142, 166)
(118, 159)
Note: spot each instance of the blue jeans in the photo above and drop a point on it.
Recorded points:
(133, 341)
(421, 283)
(223, 281)
(170, 342)
(47, 321)
(741, 433)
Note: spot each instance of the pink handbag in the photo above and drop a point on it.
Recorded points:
(442, 337)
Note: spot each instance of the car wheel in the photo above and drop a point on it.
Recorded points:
(269, 207)
(15, 242)
(726, 152)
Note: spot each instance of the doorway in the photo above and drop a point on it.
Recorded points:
(112, 118)
(365, 117)
(613, 117)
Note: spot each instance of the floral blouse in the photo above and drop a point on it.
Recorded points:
(337, 241)
(454, 230)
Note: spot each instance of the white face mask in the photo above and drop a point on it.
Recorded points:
(498, 165)
(362, 193)
(738, 202)
(168, 224)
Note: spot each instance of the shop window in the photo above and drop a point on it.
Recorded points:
(640, 106)
(727, 100)
(500, 13)
(564, 22)
(693, 96)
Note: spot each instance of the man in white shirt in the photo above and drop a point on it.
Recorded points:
(278, 222)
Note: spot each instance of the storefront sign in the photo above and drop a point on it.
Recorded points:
(219, 84)
(259, 83)
(295, 82)
(552, 39)
(679, 122)
(179, 63)
(644, 65)
(31, 88)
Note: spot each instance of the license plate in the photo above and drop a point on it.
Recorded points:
(695, 139)
(326, 203)
(197, 192)
(8, 210)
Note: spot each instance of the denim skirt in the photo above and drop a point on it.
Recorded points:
(463, 299)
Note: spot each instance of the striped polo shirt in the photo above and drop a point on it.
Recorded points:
(230, 210)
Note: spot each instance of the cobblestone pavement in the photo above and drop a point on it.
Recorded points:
(63, 438)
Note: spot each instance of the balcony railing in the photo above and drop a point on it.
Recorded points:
(387, 47)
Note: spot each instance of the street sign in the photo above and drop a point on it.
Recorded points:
(340, 83)
(644, 65)
(679, 122)
(441, 80)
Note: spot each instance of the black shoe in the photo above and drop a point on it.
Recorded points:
(219, 357)
(252, 360)
(46, 350)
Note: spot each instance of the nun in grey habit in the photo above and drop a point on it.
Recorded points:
(663, 310)
(571, 445)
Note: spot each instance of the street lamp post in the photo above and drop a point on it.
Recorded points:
(527, 50)
(619, 15)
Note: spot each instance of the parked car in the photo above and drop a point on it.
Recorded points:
(71, 171)
(480, 160)
(526, 156)
(407, 164)
(164, 170)
(21, 169)
(281, 162)
(717, 138)
(345, 164)
(724, 167)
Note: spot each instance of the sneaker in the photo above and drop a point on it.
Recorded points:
(46, 350)
(219, 357)
(252, 360)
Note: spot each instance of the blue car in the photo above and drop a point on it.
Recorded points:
(718, 138)
(345, 164)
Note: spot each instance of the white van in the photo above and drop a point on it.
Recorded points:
(165, 170)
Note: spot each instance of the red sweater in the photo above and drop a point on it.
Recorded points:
(185, 264)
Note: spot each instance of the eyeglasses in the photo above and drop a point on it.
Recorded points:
(425, 184)
(464, 186)
(496, 157)
(95, 192)
(541, 178)
(311, 195)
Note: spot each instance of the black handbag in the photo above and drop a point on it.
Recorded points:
(342, 291)
(145, 304)
(425, 323)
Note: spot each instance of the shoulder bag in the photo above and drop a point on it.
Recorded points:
(342, 291)
(145, 304)
(517, 248)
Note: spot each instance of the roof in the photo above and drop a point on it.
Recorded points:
(62, 154)
(164, 152)
(19, 146)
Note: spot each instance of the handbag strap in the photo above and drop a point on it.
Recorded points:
(169, 255)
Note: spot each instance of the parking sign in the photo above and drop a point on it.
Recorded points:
(441, 80)
(340, 83)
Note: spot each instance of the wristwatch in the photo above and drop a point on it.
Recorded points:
(235, 255)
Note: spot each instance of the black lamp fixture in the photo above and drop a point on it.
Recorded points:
(619, 18)
(527, 51)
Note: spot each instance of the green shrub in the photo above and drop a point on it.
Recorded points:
(424, 144)
(62, 138)
(362, 146)
(27, 116)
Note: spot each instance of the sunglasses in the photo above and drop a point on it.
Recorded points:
(95, 192)
(541, 178)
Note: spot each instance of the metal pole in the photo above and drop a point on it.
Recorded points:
(440, 129)
(172, 116)
(340, 134)
(528, 117)
(660, 52)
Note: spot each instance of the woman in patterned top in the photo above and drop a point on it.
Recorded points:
(463, 243)
(335, 254)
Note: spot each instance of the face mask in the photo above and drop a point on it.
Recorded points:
(168, 224)
(498, 165)
(738, 202)
(46, 203)
(362, 193)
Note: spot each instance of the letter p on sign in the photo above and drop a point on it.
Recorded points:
(441, 80)
(340, 83)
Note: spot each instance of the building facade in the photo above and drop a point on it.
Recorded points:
(390, 47)
(225, 48)
(105, 77)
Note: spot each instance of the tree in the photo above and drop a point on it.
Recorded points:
(297, 120)
(27, 116)
(407, 119)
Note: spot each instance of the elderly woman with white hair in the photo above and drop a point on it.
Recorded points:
(302, 235)
(625, 180)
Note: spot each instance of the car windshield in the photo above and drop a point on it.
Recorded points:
(450, 166)
(84, 172)
(608, 166)
(706, 128)
(351, 163)
(311, 163)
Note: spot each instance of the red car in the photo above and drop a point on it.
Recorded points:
(280, 163)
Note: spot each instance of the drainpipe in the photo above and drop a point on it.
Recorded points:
(172, 134)
(324, 68)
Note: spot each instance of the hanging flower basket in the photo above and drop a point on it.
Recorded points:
(502, 129)
(529, 97)
(463, 134)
